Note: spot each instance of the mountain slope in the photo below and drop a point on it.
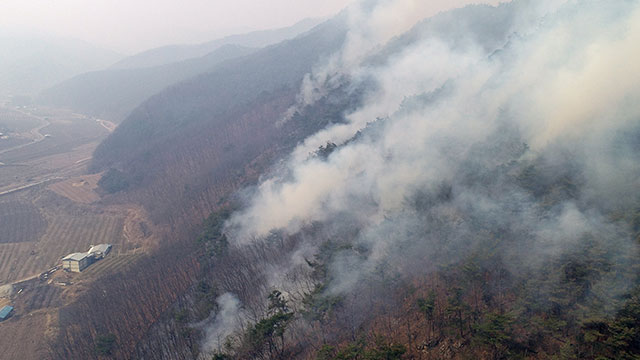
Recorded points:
(112, 94)
(183, 153)
(469, 203)
(173, 123)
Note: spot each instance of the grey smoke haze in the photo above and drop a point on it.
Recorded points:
(135, 25)
(456, 112)
(228, 318)
(432, 169)
(573, 81)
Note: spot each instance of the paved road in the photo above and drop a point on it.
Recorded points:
(23, 187)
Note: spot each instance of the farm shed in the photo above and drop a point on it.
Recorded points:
(77, 262)
(100, 251)
(5, 312)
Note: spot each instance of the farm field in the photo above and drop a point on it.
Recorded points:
(62, 135)
(15, 128)
(49, 208)
(65, 234)
(46, 197)
(9, 142)
(54, 141)
(20, 222)
(16, 121)
(80, 189)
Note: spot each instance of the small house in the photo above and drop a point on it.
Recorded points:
(5, 312)
(77, 262)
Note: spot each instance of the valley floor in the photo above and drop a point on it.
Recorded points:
(50, 207)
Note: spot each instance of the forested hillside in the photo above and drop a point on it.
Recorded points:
(473, 217)
(197, 141)
(461, 186)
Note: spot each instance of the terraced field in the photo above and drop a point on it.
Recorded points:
(65, 234)
(20, 222)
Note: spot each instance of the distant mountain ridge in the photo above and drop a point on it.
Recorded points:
(113, 93)
(174, 53)
(29, 64)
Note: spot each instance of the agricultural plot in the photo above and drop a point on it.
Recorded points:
(15, 121)
(62, 136)
(20, 222)
(64, 234)
(11, 258)
(15, 128)
(79, 189)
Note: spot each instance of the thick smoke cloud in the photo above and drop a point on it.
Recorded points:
(433, 165)
(571, 80)
(371, 23)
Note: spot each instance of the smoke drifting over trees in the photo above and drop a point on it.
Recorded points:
(496, 145)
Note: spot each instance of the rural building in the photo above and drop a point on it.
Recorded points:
(5, 312)
(100, 251)
(77, 262)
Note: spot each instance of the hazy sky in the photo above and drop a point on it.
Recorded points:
(132, 25)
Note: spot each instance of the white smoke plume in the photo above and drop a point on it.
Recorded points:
(228, 318)
(571, 78)
(371, 24)
(423, 174)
